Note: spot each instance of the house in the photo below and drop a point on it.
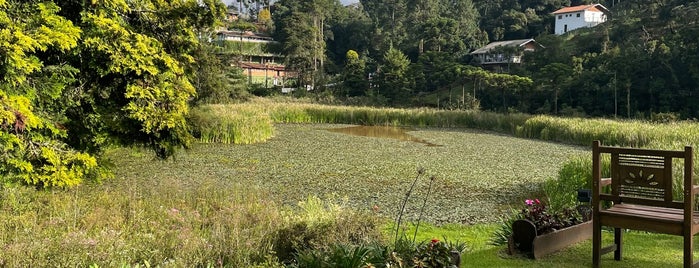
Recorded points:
(232, 14)
(257, 55)
(500, 55)
(571, 18)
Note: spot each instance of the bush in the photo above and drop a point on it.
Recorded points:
(216, 124)
(322, 225)
(575, 174)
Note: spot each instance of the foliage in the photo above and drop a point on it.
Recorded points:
(81, 77)
(216, 79)
(501, 235)
(320, 226)
(574, 175)
(432, 254)
(392, 80)
(215, 124)
(136, 221)
(342, 256)
(354, 77)
(33, 96)
(547, 221)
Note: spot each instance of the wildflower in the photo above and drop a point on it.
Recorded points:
(529, 202)
(435, 241)
(537, 201)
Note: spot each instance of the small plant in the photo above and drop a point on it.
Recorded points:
(423, 254)
(504, 231)
(539, 214)
(546, 222)
(433, 254)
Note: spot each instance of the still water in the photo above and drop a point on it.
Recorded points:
(382, 132)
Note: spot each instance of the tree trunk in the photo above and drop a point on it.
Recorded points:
(628, 100)
(555, 102)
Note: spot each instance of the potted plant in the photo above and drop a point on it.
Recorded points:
(538, 232)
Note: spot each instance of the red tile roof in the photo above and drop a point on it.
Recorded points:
(592, 7)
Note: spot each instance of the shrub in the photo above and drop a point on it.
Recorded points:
(237, 124)
(501, 235)
(321, 225)
(576, 173)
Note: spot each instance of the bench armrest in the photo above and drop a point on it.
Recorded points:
(605, 182)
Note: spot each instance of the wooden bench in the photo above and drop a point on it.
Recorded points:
(641, 197)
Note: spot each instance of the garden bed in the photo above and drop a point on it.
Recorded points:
(525, 240)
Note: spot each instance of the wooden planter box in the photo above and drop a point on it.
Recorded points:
(524, 238)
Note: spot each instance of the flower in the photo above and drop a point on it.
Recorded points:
(545, 221)
(435, 241)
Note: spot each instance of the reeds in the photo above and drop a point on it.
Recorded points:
(230, 124)
(252, 122)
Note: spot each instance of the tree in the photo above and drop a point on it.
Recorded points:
(354, 76)
(33, 93)
(82, 76)
(555, 76)
(392, 80)
(390, 18)
(301, 29)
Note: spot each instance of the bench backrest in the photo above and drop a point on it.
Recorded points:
(641, 176)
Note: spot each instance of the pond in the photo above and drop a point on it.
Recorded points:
(397, 133)
(479, 175)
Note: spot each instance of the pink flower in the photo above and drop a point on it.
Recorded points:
(529, 202)
(537, 201)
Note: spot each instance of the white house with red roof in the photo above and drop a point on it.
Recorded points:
(571, 18)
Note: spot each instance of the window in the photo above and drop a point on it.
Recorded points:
(565, 28)
(560, 17)
(577, 15)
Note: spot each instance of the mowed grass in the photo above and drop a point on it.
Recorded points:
(641, 249)
(479, 175)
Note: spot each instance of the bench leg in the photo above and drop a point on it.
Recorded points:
(618, 242)
(688, 249)
(596, 243)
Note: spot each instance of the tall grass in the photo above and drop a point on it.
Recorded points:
(634, 133)
(171, 222)
(252, 121)
(231, 124)
(180, 224)
(579, 131)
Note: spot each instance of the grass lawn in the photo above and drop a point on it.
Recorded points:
(640, 249)
(479, 175)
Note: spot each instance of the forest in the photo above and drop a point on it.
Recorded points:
(641, 63)
(81, 76)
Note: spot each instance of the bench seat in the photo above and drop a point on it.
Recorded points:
(646, 218)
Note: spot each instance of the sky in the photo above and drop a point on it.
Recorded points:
(344, 2)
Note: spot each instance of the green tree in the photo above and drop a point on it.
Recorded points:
(555, 76)
(392, 80)
(33, 93)
(354, 77)
(301, 28)
(79, 76)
